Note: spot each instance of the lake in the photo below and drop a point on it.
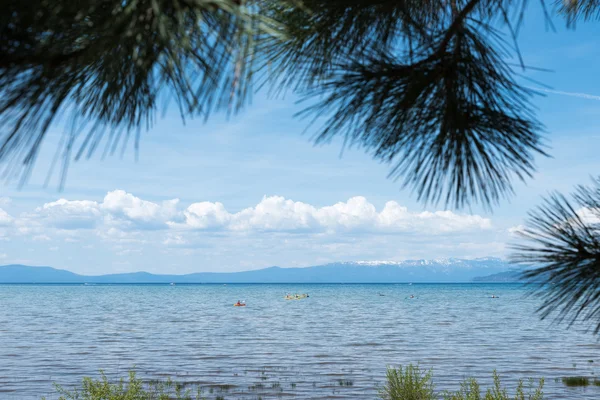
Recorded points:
(334, 344)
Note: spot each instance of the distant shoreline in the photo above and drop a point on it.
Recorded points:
(485, 270)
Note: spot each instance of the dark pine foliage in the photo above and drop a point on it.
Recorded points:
(421, 85)
(562, 244)
(111, 64)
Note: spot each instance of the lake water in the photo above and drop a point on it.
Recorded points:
(335, 344)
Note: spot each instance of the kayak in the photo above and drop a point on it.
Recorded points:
(239, 305)
(304, 296)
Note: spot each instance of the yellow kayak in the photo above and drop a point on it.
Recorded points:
(239, 305)
(297, 297)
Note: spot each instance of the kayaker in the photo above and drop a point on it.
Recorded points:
(239, 303)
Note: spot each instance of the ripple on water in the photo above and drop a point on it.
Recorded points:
(318, 347)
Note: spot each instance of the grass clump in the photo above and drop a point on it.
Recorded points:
(412, 383)
(131, 389)
(470, 390)
(573, 381)
(407, 384)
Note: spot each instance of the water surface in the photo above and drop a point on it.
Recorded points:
(335, 344)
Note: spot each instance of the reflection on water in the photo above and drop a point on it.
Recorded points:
(336, 343)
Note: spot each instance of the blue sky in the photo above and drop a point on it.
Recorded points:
(252, 191)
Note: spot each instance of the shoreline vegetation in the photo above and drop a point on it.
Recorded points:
(408, 383)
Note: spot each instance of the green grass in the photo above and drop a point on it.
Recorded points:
(470, 390)
(131, 389)
(412, 383)
(576, 381)
(409, 383)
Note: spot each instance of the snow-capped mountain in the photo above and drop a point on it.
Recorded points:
(438, 270)
(459, 262)
(435, 270)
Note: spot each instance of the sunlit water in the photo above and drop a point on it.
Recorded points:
(275, 348)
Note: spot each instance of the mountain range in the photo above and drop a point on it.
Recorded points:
(450, 270)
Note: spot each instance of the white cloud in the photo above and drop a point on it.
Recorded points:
(126, 210)
(118, 209)
(67, 214)
(122, 212)
(206, 215)
(276, 231)
(4, 201)
(398, 218)
(275, 213)
(278, 214)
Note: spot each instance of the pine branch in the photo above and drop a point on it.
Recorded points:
(322, 33)
(562, 251)
(575, 10)
(396, 78)
(112, 63)
(455, 125)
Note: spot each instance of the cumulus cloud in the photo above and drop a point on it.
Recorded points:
(206, 215)
(278, 214)
(126, 210)
(118, 209)
(69, 214)
(123, 218)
